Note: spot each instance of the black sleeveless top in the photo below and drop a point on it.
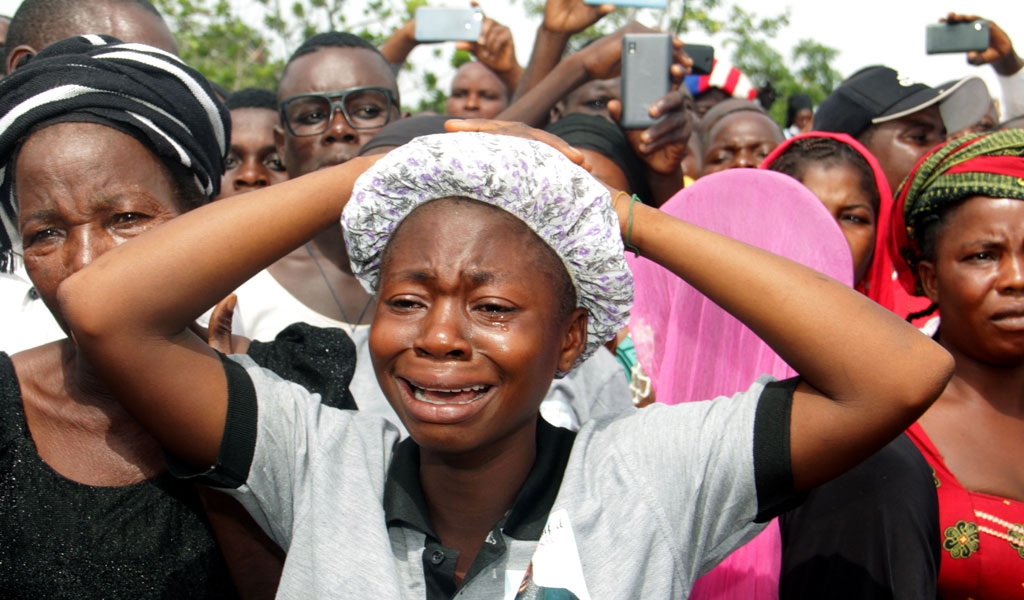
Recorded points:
(63, 539)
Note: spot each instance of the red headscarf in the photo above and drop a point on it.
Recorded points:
(879, 282)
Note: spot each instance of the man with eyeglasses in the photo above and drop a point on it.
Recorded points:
(336, 92)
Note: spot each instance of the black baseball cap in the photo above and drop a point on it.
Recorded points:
(878, 94)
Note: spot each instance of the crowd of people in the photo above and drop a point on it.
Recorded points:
(512, 351)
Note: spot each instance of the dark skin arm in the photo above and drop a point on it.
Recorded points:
(496, 51)
(855, 395)
(562, 19)
(144, 355)
(396, 49)
(221, 246)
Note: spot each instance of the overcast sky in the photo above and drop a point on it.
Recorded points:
(865, 31)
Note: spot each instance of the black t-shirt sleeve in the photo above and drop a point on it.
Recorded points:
(773, 467)
(238, 443)
(871, 533)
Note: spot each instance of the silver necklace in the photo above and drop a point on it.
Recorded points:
(337, 302)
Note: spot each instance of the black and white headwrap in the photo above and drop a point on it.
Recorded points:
(139, 90)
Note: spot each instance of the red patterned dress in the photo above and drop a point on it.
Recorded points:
(982, 536)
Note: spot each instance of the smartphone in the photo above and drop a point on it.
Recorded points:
(633, 3)
(448, 24)
(646, 58)
(943, 38)
(703, 58)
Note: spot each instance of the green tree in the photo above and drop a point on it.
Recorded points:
(220, 45)
(238, 52)
(806, 70)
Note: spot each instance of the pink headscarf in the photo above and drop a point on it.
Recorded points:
(691, 348)
(694, 350)
(879, 281)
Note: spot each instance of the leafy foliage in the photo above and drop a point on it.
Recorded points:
(237, 51)
(807, 70)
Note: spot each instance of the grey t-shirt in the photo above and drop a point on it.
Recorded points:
(649, 500)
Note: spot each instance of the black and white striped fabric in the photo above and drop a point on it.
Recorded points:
(137, 89)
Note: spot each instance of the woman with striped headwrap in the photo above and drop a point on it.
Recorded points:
(958, 239)
(99, 142)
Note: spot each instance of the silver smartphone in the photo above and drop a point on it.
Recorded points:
(448, 24)
(943, 38)
(646, 58)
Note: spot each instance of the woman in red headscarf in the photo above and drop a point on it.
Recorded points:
(850, 182)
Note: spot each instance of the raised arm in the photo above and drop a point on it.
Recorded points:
(562, 19)
(866, 374)
(496, 50)
(600, 60)
(1004, 60)
(130, 311)
(396, 49)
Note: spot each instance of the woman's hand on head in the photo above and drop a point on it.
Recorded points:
(519, 130)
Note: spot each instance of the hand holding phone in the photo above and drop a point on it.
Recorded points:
(945, 38)
(448, 24)
(646, 59)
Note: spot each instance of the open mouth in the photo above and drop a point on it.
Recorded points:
(441, 397)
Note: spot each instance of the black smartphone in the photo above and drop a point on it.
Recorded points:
(943, 38)
(646, 58)
(703, 58)
(448, 24)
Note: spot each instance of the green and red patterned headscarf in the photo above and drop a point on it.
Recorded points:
(982, 165)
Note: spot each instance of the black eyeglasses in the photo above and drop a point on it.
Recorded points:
(362, 107)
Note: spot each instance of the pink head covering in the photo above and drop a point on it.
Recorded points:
(879, 281)
(694, 350)
(691, 348)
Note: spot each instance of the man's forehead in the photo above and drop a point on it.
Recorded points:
(930, 117)
(331, 69)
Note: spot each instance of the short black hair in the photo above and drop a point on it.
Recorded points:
(333, 39)
(340, 39)
(827, 152)
(252, 98)
(39, 23)
(727, 108)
